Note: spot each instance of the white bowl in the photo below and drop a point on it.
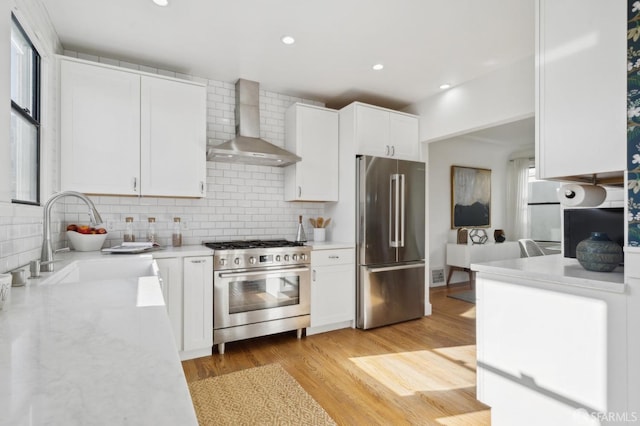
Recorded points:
(86, 242)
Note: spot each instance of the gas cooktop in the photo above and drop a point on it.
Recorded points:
(251, 244)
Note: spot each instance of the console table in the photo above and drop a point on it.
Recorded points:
(461, 256)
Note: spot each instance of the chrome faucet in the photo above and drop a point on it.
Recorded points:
(46, 255)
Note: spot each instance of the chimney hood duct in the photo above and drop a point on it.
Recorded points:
(247, 147)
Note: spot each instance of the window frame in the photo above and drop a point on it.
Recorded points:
(32, 117)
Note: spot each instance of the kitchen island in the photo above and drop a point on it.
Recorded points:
(90, 352)
(551, 342)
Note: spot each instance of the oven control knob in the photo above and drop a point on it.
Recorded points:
(223, 262)
(236, 260)
(278, 258)
(252, 260)
(303, 256)
(295, 257)
(286, 257)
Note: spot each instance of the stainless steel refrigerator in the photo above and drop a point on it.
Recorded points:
(389, 241)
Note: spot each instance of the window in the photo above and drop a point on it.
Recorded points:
(25, 117)
(544, 209)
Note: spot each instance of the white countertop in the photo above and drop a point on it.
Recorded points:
(98, 352)
(555, 269)
(329, 245)
(191, 250)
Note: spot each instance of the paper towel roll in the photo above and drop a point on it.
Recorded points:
(578, 195)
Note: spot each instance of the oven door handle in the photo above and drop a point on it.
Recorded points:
(263, 272)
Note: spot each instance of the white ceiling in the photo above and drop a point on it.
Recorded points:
(518, 134)
(422, 43)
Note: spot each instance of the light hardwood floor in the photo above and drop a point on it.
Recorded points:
(420, 372)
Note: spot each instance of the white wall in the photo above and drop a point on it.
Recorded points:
(462, 152)
(501, 97)
(5, 93)
(21, 226)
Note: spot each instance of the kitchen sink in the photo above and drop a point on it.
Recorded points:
(108, 268)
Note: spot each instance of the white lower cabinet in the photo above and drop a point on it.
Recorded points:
(171, 274)
(198, 303)
(333, 291)
(187, 287)
(556, 352)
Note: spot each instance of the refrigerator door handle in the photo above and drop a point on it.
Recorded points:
(396, 267)
(401, 217)
(394, 210)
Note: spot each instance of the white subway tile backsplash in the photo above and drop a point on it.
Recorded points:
(129, 65)
(109, 61)
(166, 73)
(150, 70)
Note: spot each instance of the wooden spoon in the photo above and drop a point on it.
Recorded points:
(326, 223)
(312, 221)
(320, 222)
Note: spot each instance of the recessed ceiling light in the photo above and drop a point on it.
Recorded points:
(445, 86)
(288, 39)
(161, 2)
(377, 67)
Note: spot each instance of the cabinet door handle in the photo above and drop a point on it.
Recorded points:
(135, 184)
(198, 261)
(201, 187)
(334, 257)
(386, 150)
(393, 150)
(314, 275)
(299, 191)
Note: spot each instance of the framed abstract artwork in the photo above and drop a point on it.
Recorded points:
(470, 197)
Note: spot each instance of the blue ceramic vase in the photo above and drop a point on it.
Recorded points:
(598, 253)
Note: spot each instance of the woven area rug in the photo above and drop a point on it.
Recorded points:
(467, 296)
(265, 395)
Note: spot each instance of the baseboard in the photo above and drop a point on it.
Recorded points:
(196, 353)
(329, 327)
(427, 310)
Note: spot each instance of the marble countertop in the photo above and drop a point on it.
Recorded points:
(555, 269)
(97, 352)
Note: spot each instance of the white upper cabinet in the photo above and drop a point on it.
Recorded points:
(100, 129)
(129, 133)
(386, 133)
(372, 131)
(312, 133)
(581, 87)
(173, 138)
(404, 136)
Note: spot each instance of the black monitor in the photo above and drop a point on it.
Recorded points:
(580, 223)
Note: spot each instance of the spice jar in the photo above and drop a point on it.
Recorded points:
(128, 237)
(152, 237)
(176, 238)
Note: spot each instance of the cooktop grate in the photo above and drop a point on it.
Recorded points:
(249, 244)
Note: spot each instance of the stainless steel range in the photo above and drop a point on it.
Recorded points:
(260, 287)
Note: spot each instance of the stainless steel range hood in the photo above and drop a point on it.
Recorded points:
(247, 147)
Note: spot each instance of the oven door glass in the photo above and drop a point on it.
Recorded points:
(242, 298)
(265, 293)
